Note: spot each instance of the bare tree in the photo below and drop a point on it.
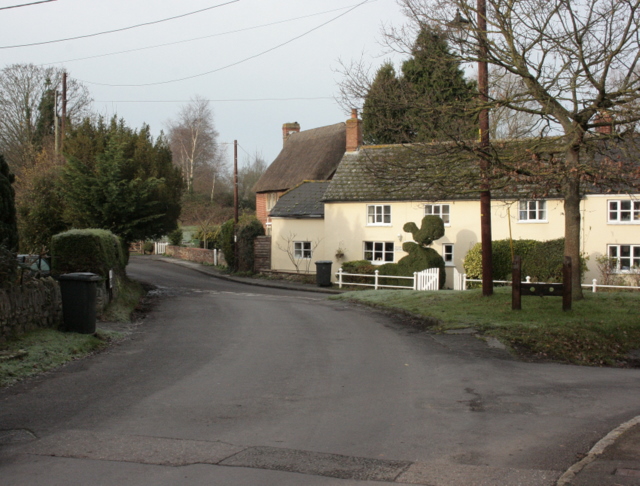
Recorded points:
(574, 71)
(22, 88)
(248, 175)
(193, 140)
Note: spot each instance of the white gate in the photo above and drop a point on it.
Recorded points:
(160, 248)
(459, 280)
(428, 279)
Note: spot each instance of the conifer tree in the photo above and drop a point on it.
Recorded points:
(8, 225)
(430, 100)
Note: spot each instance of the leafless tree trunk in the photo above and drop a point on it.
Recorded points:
(193, 140)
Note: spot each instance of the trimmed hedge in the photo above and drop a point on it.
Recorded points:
(88, 250)
(541, 260)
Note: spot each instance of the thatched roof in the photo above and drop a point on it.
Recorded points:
(307, 155)
(303, 201)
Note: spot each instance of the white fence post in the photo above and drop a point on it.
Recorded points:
(340, 278)
(215, 257)
(594, 286)
(415, 281)
(375, 282)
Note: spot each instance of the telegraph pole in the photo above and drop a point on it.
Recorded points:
(235, 203)
(64, 110)
(485, 192)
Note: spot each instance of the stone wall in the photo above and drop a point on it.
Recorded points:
(198, 255)
(35, 304)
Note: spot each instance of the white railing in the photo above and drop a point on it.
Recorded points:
(160, 248)
(425, 280)
(460, 281)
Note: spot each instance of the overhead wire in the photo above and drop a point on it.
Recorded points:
(27, 4)
(120, 29)
(127, 51)
(158, 83)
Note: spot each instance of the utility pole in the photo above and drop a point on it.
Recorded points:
(64, 110)
(235, 202)
(485, 192)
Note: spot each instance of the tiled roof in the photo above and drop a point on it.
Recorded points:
(380, 173)
(307, 155)
(303, 201)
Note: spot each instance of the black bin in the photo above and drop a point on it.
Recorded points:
(79, 292)
(323, 273)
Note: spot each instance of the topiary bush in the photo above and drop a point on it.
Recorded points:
(89, 250)
(420, 257)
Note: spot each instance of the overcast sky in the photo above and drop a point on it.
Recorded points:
(262, 63)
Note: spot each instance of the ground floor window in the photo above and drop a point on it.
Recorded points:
(378, 251)
(447, 253)
(532, 211)
(302, 249)
(626, 256)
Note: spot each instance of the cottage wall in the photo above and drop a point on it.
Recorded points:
(285, 231)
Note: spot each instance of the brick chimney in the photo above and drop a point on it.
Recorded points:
(354, 132)
(288, 129)
(604, 117)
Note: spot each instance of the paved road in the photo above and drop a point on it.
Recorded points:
(234, 385)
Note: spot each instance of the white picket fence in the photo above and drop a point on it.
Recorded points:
(160, 248)
(425, 280)
(460, 281)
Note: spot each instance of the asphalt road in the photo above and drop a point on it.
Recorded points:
(229, 384)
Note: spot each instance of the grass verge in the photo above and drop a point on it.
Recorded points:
(45, 349)
(601, 330)
(42, 350)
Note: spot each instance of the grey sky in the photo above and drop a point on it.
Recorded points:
(291, 75)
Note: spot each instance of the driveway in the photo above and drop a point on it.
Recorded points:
(228, 384)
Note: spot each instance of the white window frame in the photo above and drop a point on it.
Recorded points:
(385, 251)
(378, 215)
(625, 260)
(447, 254)
(617, 209)
(532, 211)
(302, 250)
(441, 210)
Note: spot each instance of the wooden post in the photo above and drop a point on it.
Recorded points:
(567, 284)
(516, 279)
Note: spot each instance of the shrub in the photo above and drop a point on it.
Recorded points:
(175, 237)
(210, 235)
(8, 221)
(226, 243)
(248, 231)
(89, 250)
(148, 247)
(541, 260)
(8, 268)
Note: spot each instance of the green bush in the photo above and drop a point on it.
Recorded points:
(541, 260)
(210, 234)
(175, 237)
(89, 250)
(8, 267)
(248, 231)
(364, 267)
(147, 247)
(226, 243)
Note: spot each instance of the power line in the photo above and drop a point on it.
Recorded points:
(121, 29)
(197, 38)
(27, 4)
(234, 63)
(221, 100)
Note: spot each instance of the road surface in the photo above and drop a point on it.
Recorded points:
(229, 384)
